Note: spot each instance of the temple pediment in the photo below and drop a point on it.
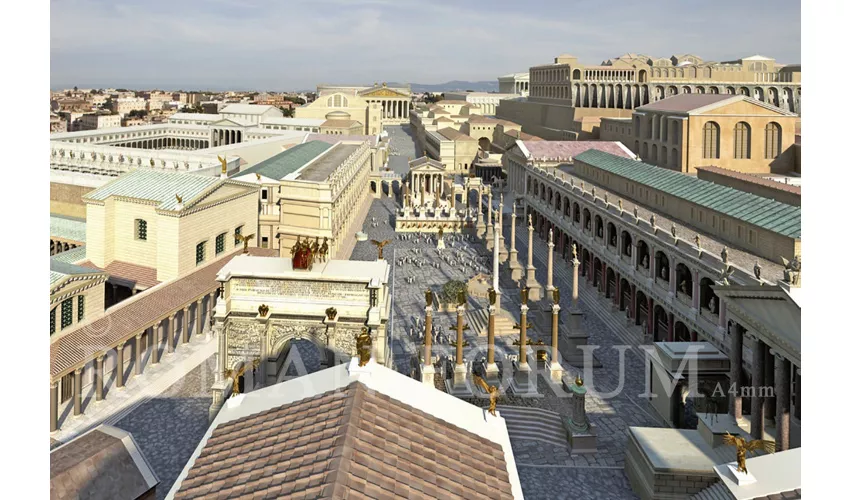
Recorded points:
(383, 92)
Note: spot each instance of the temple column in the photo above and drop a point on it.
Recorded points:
(199, 326)
(736, 372)
(98, 378)
(757, 400)
(783, 400)
(514, 265)
(427, 366)
(550, 281)
(78, 392)
(140, 354)
(530, 281)
(185, 329)
(769, 371)
(523, 327)
(172, 333)
(54, 406)
(556, 371)
(492, 370)
(156, 342)
(695, 290)
(119, 366)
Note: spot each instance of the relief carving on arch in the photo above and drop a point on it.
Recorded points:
(244, 340)
(281, 331)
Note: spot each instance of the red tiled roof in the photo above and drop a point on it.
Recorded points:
(563, 150)
(353, 442)
(76, 347)
(685, 103)
(754, 179)
(141, 276)
(454, 135)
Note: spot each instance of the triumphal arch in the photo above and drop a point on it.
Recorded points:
(265, 302)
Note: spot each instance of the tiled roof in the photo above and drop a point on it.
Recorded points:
(157, 186)
(136, 275)
(134, 314)
(564, 150)
(321, 169)
(352, 442)
(684, 103)
(335, 138)
(283, 164)
(454, 135)
(754, 179)
(71, 256)
(59, 270)
(68, 228)
(102, 463)
(761, 212)
(246, 109)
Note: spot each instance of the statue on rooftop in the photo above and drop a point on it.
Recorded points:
(364, 346)
(792, 270)
(491, 390)
(244, 240)
(757, 270)
(380, 245)
(742, 446)
(724, 255)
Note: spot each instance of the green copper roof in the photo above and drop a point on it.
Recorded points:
(284, 163)
(71, 256)
(761, 212)
(59, 270)
(68, 228)
(156, 185)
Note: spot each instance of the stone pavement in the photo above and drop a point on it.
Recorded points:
(117, 403)
(169, 426)
(402, 146)
(546, 471)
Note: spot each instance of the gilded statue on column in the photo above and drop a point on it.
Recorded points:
(742, 446)
(429, 298)
(524, 295)
(364, 346)
(491, 390)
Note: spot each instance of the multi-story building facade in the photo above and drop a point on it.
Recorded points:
(689, 131)
(158, 100)
(346, 111)
(565, 90)
(487, 102)
(123, 105)
(317, 189)
(97, 121)
(166, 223)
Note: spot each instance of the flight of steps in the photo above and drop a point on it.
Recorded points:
(534, 423)
(716, 491)
(478, 319)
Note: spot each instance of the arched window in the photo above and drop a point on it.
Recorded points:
(711, 140)
(576, 74)
(742, 141)
(675, 125)
(637, 126)
(772, 140)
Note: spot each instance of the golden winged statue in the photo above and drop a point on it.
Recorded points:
(743, 446)
(223, 162)
(492, 390)
(492, 296)
(244, 240)
(229, 373)
(556, 295)
(429, 297)
(179, 198)
(380, 245)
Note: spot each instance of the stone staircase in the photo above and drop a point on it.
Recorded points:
(478, 319)
(534, 423)
(716, 491)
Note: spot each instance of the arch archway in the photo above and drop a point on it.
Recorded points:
(586, 217)
(626, 243)
(610, 283)
(558, 201)
(373, 186)
(576, 213)
(597, 272)
(643, 255)
(612, 234)
(662, 266)
(599, 227)
(684, 281)
(625, 294)
(484, 144)
(641, 307)
(585, 261)
(681, 332)
(708, 299)
(659, 323)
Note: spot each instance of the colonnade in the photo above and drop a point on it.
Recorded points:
(393, 109)
(223, 137)
(145, 348)
(166, 143)
(58, 246)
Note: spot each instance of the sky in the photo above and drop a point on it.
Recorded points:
(297, 44)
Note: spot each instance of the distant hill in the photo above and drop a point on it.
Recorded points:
(454, 85)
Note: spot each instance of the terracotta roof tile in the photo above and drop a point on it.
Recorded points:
(357, 457)
(138, 276)
(127, 318)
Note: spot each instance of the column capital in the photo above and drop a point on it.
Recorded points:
(777, 355)
(752, 337)
(78, 371)
(54, 384)
(555, 308)
(100, 357)
(139, 335)
(524, 309)
(120, 345)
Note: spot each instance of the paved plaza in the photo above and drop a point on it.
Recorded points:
(402, 147)
(546, 470)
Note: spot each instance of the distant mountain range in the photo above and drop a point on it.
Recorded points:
(454, 85)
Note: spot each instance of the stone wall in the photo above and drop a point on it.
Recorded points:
(66, 199)
(650, 484)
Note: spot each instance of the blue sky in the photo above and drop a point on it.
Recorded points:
(295, 44)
